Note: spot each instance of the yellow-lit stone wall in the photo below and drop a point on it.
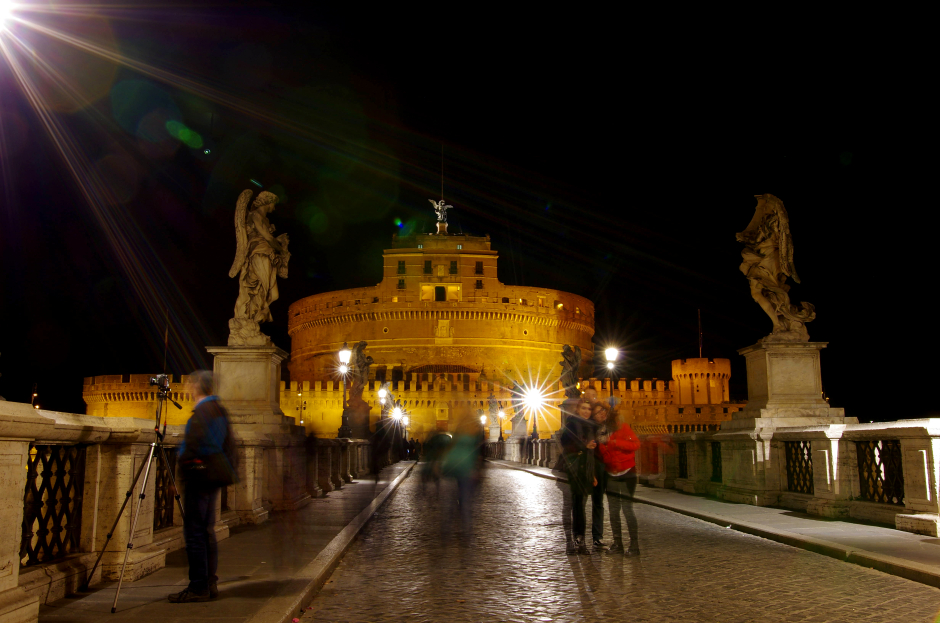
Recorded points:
(441, 304)
(317, 406)
(132, 395)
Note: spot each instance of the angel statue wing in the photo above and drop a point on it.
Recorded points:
(241, 232)
(784, 242)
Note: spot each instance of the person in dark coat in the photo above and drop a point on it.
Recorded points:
(578, 443)
(208, 432)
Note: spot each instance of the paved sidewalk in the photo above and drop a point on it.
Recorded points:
(912, 556)
(266, 573)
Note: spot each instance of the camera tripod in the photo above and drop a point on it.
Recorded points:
(163, 385)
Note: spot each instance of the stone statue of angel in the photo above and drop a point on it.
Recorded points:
(260, 259)
(440, 208)
(570, 363)
(493, 410)
(767, 262)
(360, 374)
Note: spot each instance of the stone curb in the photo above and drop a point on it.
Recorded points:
(907, 569)
(300, 591)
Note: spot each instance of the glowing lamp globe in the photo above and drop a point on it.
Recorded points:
(382, 394)
(344, 353)
(502, 413)
(404, 420)
(396, 413)
(343, 369)
(533, 398)
(483, 420)
(611, 354)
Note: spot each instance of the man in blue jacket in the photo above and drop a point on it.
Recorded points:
(208, 433)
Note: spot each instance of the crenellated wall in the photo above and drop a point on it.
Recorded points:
(132, 395)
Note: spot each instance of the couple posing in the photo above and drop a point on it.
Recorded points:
(599, 458)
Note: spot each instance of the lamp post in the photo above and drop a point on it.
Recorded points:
(344, 355)
(502, 415)
(611, 354)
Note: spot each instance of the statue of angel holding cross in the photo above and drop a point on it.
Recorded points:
(260, 259)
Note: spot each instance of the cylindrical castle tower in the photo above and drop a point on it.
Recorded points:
(701, 381)
(441, 309)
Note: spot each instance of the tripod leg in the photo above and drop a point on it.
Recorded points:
(127, 497)
(130, 536)
(166, 464)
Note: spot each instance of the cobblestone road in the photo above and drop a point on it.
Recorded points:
(409, 565)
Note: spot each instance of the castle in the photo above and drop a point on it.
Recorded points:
(445, 333)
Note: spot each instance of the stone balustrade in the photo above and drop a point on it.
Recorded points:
(73, 473)
(884, 472)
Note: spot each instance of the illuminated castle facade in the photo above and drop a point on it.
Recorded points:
(445, 333)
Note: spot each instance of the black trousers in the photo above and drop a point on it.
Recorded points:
(620, 492)
(199, 532)
(579, 517)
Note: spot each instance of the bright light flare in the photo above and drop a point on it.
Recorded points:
(397, 413)
(501, 414)
(611, 354)
(610, 365)
(483, 420)
(382, 394)
(343, 369)
(533, 398)
(6, 12)
(344, 354)
(405, 420)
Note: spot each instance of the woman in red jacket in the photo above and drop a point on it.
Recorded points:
(618, 450)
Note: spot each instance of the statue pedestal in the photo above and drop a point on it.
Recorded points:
(494, 432)
(358, 412)
(784, 380)
(248, 382)
(784, 390)
(518, 428)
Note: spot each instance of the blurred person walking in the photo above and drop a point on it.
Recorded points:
(463, 462)
(207, 463)
(618, 451)
(578, 445)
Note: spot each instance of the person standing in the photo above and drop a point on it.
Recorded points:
(578, 445)
(205, 460)
(618, 451)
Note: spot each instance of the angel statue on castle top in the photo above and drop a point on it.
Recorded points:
(767, 262)
(260, 259)
(440, 208)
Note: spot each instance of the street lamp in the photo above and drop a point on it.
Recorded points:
(344, 355)
(502, 416)
(533, 399)
(611, 354)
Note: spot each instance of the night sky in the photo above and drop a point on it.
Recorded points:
(611, 158)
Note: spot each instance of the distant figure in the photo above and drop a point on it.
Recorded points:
(435, 447)
(463, 463)
(577, 441)
(205, 462)
(417, 450)
(618, 451)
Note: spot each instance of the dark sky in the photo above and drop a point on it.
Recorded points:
(613, 159)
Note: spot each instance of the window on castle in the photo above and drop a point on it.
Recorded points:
(505, 299)
(698, 409)
(401, 267)
(427, 267)
(725, 410)
(358, 301)
(401, 284)
(420, 246)
(459, 246)
(453, 267)
(479, 285)
(541, 302)
(559, 304)
(577, 310)
(681, 410)
(440, 293)
(394, 299)
(375, 299)
(479, 269)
